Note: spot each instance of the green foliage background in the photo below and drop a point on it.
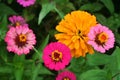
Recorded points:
(42, 17)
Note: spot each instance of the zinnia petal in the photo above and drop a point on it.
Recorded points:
(66, 75)
(56, 56)
(103, 40)
(19, 43)
(75, 26)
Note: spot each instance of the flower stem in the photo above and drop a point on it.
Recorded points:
(36, 51)
(39, 55)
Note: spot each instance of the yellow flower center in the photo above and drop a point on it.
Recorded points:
(22, 38)
(17, 24)
(66, 78)
(56, 55)
(78, 32)
(81, 34)
(102, 37)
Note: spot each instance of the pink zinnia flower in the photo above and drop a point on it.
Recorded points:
(17, 21)
(26, 3)
(56, 56)
(101, 38)
(20, 40)
(66, 75)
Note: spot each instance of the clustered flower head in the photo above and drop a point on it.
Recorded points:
(26, 3)
(74, 29)
(56, 56)
(20, 40)
(101, 38)
(66, 75)
(17, 21)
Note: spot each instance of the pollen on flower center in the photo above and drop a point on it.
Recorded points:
(22, 38)
(102, 37)
(17, 24)
(66, 78)
(78, 33)
(56, 55)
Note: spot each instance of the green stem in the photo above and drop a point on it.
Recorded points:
(39, 55)
(36, 51)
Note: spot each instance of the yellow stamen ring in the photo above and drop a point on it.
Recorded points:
(56, 55)
(66, 78)
(22, 38)
(17, 24)
(102, 37)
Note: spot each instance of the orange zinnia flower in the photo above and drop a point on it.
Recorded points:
(74, 29)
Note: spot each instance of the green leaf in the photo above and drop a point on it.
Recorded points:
(19, 66)
(35, 71)
(3, 51)
(93, 7)
(5, 10)
(18, 58)
(28, 67)
(95, 74)
(113, 22)
(109, 5)
(98, 59)
(2, 35)
(3, 25)
(28, 15)
(64, 6)
(114, 65)
(10, 1)
(45, 71)
(116, 54)
(38, 53)
(5, 69)
(19, 73)
(77, 64)
(61, 14)
(117, 77)
(46, 8)
(117, 37)
(39, 69)
(39, 78)
(44, 43)
(101, 18)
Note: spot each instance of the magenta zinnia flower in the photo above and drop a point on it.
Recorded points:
(20, 40)
(26, 3)
(17, 21)
(56, 56)
(66, 75)
(101, 38)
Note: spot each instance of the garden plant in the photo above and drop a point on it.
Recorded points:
(59, 40)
